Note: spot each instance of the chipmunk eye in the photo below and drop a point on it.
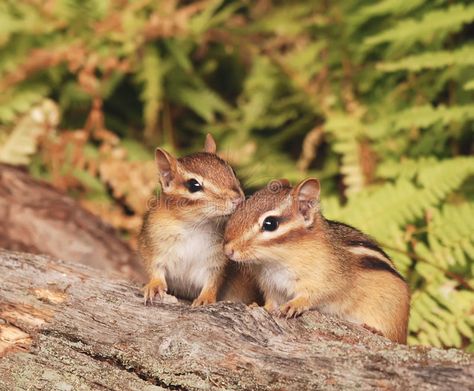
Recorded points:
(270, 223)
(193, 185)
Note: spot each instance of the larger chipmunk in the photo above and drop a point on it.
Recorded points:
(181, 241)
(303, 261)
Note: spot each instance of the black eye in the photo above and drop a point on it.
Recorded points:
(270, 223)
(193, 186)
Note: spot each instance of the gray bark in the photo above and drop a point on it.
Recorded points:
(65, 326)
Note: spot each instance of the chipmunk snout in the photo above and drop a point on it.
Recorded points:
(228, 250)
(238, 200)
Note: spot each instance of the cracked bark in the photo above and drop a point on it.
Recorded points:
(68, 327)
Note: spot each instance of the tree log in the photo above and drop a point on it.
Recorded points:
(63, 326)
(39, 219)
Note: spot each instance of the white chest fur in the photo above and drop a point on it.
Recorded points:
(191, 260)
(277, 282)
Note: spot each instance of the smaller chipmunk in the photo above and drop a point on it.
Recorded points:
(181, 241)
(303, 261)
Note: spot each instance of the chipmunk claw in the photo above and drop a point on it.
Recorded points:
(288, 311)
(203, 300)
(294, 308)
(152, 289)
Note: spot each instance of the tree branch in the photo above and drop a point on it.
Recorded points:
(64, 326)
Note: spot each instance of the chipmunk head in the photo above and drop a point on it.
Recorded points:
(200, 185)
(269, 223)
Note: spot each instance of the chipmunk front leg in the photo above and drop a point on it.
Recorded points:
(156, 286)
(209, 291)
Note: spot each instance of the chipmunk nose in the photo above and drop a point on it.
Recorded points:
(228, 251)
(237, 201)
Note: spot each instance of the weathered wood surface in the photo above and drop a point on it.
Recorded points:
(65, 327)
(37, 218)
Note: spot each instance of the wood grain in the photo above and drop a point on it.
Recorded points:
(65, 326)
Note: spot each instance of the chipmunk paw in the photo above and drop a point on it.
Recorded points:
(203, 299)
(294, 308)
(153, 288)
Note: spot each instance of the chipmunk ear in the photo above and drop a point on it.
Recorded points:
(306, 197)
(210, 145)
(166, 166)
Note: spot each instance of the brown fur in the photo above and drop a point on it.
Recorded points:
(260, 202)
(311, 262)
(181, 238)
(240, 285)
(204, 163)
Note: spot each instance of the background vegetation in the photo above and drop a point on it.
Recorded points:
(374, 98)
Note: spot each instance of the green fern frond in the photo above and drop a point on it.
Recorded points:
(397, 247)
(422, 117)
(452, 229)
(387, 7)
(381, 8)
(441, 316)
(203, 101)
(404, 202)
(150, 74)
(18, 101)
(22, 141)
(289, 19)
(305, 60)
(436, 22)
(351, 169)
(212, 16)
(346, 131)
(260, 89)
(260, 172)
(407, 168)
(430, 60)
(446, 175)
(19, 18)
(395, 204)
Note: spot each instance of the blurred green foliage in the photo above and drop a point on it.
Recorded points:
(374, 98)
